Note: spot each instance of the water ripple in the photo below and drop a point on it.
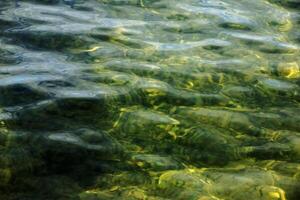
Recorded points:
(149, 99)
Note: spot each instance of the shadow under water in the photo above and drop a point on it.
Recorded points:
(149, 99)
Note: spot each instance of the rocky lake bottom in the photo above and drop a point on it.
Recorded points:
(149, 99)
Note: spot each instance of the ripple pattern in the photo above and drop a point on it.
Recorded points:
(149, 99)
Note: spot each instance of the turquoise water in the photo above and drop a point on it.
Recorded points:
(149, 99)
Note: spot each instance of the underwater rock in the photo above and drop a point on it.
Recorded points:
(279, 48)
(125, 178)
(149, 99)
(278, 87)
(44, 153)
(84, 139)
(240, 93)
(137, 122)
(19, 94)
(68, 107)
(288, 70)
(7, 57)
(270, 150)
(284, 168)
(42, 39)
(157, 91)
(155, 162)
(214, 146)
(238, 121)
(82, 146)
(291, 141)
(221, 183)
(205, 144)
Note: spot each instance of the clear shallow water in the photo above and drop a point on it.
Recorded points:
(150, 99)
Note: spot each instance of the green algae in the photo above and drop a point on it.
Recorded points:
(149, 99)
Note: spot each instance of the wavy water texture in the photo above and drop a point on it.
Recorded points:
(149, 99)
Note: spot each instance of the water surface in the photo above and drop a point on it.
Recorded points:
(149, 99)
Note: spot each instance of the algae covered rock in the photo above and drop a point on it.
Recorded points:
(289, 70)
(149, 100)
(289, 139)
(26, 154)
(210, 146)
(72, 106)
(138, 122)
(84, 142)
(239, 121)
(155, 162)
(218, 183)
(278, 87)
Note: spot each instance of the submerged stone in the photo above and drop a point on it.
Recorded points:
(26, 154)
(155, 162)
(279, 87)
(289, 70)
(20, 94)
(239, 92)
(149, 99)
(239, 121)
(194, 183)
